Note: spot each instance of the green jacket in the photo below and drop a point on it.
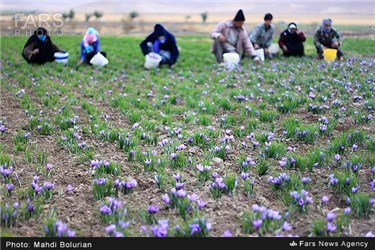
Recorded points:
(322, 39)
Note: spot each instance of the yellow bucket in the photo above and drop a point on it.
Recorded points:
(329, 54)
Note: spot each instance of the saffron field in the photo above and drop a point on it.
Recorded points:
(284, 148)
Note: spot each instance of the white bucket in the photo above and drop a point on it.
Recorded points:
(99, 60)
(232, 57)
(152, 60)
(260, 53)
(61, 57)
(274, 49)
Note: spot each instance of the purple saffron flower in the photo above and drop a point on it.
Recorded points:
(355, 189)
(192, 198)
(104, 210)
(118, 234)
(101, 182)
(30, 206)
(331, 216)
(354, 147)
(177, 176)
(347, 210)
(179, 185)
(372, 201)
(152, 209)
(227, 233)
(123, 224)
(331, 227)
(10, 187)
(286, 226)
(49, 166)
(181, 193)
(244, 176)
(370, 234)
(110, 229)
(48, 185)
(305, 180)
(3, 129)
(70, 188)
(257, 223)
(325, 199)
(201, 204)
(200, 168)
(337, 157)
(166, 199)
(194, 228)
(301, 202)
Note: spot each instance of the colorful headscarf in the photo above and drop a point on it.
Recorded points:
(90, 36)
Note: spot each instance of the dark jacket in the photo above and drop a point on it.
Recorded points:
(170, 44)
(46, 49)
(293, 41)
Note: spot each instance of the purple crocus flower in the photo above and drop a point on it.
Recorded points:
(123, 224)
(337, 157)
(166, 199)
(372, 201)
(331, 227)
(192, 198)
(244, 176)
(227, 233)
(101, 182)
(325, 199)
(257, 223)
(152, 209)
(3, 129)
(201, 204)
(110, 229)
(181, 193)
(104, 210)
(49, 166)
(347, 210)
(355, 189)
(179, 185)
(48, 185)
(301, 202)
(177, 176)
(286, 226)
(10, 187)
(331, 216)
(70, 188)
(194, 228)
(306, 180)
(30, 206)
(118, 234)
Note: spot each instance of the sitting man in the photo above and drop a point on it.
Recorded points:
(327, 37)
(163, 43)
(261, 36)
(230, 36)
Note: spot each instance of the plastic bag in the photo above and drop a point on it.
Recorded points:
(99, 60)
(152, 60)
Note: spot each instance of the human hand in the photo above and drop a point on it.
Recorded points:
(256, 46)
(298, 32)
(221, 38)
(35, 51)
(88, 49)
(285, 48)
(257, 60)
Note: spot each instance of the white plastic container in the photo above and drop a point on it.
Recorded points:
(232, 57)
(152, 60)
(61, 57)
(260, 54)
(99, 60)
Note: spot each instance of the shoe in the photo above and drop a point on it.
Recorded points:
(340, 58)
(222, 64)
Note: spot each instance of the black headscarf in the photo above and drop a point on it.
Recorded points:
(46, 48)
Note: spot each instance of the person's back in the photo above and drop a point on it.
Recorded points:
(39, 48)
(161, 42)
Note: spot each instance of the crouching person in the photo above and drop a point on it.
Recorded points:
(39, 48)
(163, 43)
(230, 36)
